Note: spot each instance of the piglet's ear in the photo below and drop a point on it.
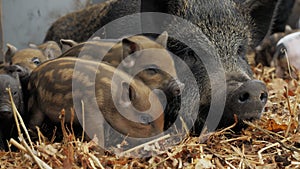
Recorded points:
(162, 39)
(129, 47)
(127, 94)
(11, 50)
(50, 53)
(32, 45)
(50, 49)
(68, 42)
(96, 38)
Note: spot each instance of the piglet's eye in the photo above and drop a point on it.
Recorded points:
(15, 93)
(152, 70)
(36, 61)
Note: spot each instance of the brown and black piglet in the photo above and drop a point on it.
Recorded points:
(126, 104)
(30, 58)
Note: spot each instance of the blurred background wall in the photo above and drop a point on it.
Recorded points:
(27, 21)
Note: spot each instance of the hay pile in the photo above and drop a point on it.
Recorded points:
(272, 142)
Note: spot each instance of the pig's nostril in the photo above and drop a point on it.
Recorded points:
(176, 91)
(244, 97)
(263, 97)
(145, 119)
(5, 114)
(177, 87)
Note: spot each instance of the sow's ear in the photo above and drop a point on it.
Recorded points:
(261, 12)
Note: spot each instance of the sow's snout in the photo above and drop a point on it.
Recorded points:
(175, 88)
(246, 101)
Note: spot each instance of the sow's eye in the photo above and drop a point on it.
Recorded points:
(36, 61)
(15, 93)
(241, 51)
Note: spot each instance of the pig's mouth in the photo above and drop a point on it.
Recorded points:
(250, 116)
(229, 119)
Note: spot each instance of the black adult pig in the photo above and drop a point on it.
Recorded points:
(294, 18)
(223, 30)
(9, 78)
